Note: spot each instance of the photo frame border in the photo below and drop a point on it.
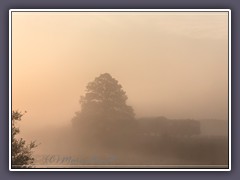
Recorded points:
(122, 10)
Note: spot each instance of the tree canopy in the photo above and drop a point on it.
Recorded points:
(104, 111)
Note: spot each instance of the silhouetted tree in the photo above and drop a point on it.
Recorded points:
(104, 117)
(21, 152)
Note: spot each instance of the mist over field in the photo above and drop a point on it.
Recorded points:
(122, 88)
(59, 146)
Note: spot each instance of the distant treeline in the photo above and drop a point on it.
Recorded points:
(161, 126)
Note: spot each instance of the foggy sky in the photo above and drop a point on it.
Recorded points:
(169, 64)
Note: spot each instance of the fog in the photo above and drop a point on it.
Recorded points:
(169, 64)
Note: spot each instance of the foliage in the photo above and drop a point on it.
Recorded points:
(21, 152)
(104, 114)
(161, 126)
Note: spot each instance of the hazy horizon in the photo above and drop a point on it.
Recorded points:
(170, 64)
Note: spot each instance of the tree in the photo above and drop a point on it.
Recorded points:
(104, 117)
(21, 152)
